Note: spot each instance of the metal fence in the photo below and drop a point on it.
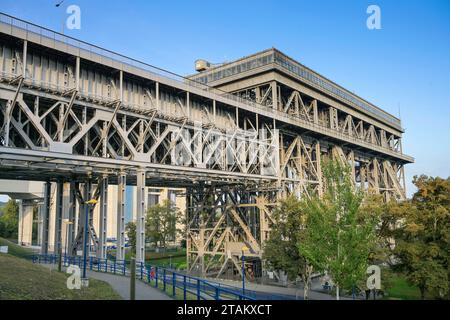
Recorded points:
(172, 282)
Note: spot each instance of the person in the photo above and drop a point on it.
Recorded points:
(250, 273)
(152, 273)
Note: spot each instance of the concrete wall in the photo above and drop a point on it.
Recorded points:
(25, 222)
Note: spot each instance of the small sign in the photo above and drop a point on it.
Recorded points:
(3, 249)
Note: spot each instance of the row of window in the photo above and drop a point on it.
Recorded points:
(153, 197)
(297, 69)
(238, 68)
(300, 71)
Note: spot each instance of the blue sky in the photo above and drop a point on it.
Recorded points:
(404, 66)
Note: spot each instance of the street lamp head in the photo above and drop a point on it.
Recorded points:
(92, 201)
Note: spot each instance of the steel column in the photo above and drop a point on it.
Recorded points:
(86, 240)
(45, 217)
(58, 217)
(120, 254)
(101, 250)
(140, 218)
(71, 217)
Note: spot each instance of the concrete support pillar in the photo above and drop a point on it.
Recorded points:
(140, 219)
(40, 208)
(58, 218)
(25, 222)
(101, 252)
(45, 217)
(122, 182)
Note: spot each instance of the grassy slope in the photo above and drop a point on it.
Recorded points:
(401, 289)
(23, 280)
(16, 250)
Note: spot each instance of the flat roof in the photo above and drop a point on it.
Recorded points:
(284, 63)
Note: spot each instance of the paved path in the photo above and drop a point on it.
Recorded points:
(121, 284)
(295, 292)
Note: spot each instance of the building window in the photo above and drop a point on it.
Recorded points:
(153, 199)
(172, 196)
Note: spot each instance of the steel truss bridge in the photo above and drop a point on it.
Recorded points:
(237, 137)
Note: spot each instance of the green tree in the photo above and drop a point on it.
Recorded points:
(339, 236)
(382, 252)
(9, 220)
(161, 223)
(422, 236)
(130, 228)
(281, 251)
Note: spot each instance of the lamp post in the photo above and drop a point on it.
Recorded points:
(67, 222)
(244, 248)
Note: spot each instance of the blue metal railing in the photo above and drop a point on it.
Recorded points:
(173, 283)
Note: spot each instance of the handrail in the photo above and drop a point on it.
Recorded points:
(91, 48)
(158, 277)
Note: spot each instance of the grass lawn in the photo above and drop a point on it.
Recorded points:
(20, 279)
(16, 250)
(160, 255)
(164, 262)
(161, 259)
(401, 289)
